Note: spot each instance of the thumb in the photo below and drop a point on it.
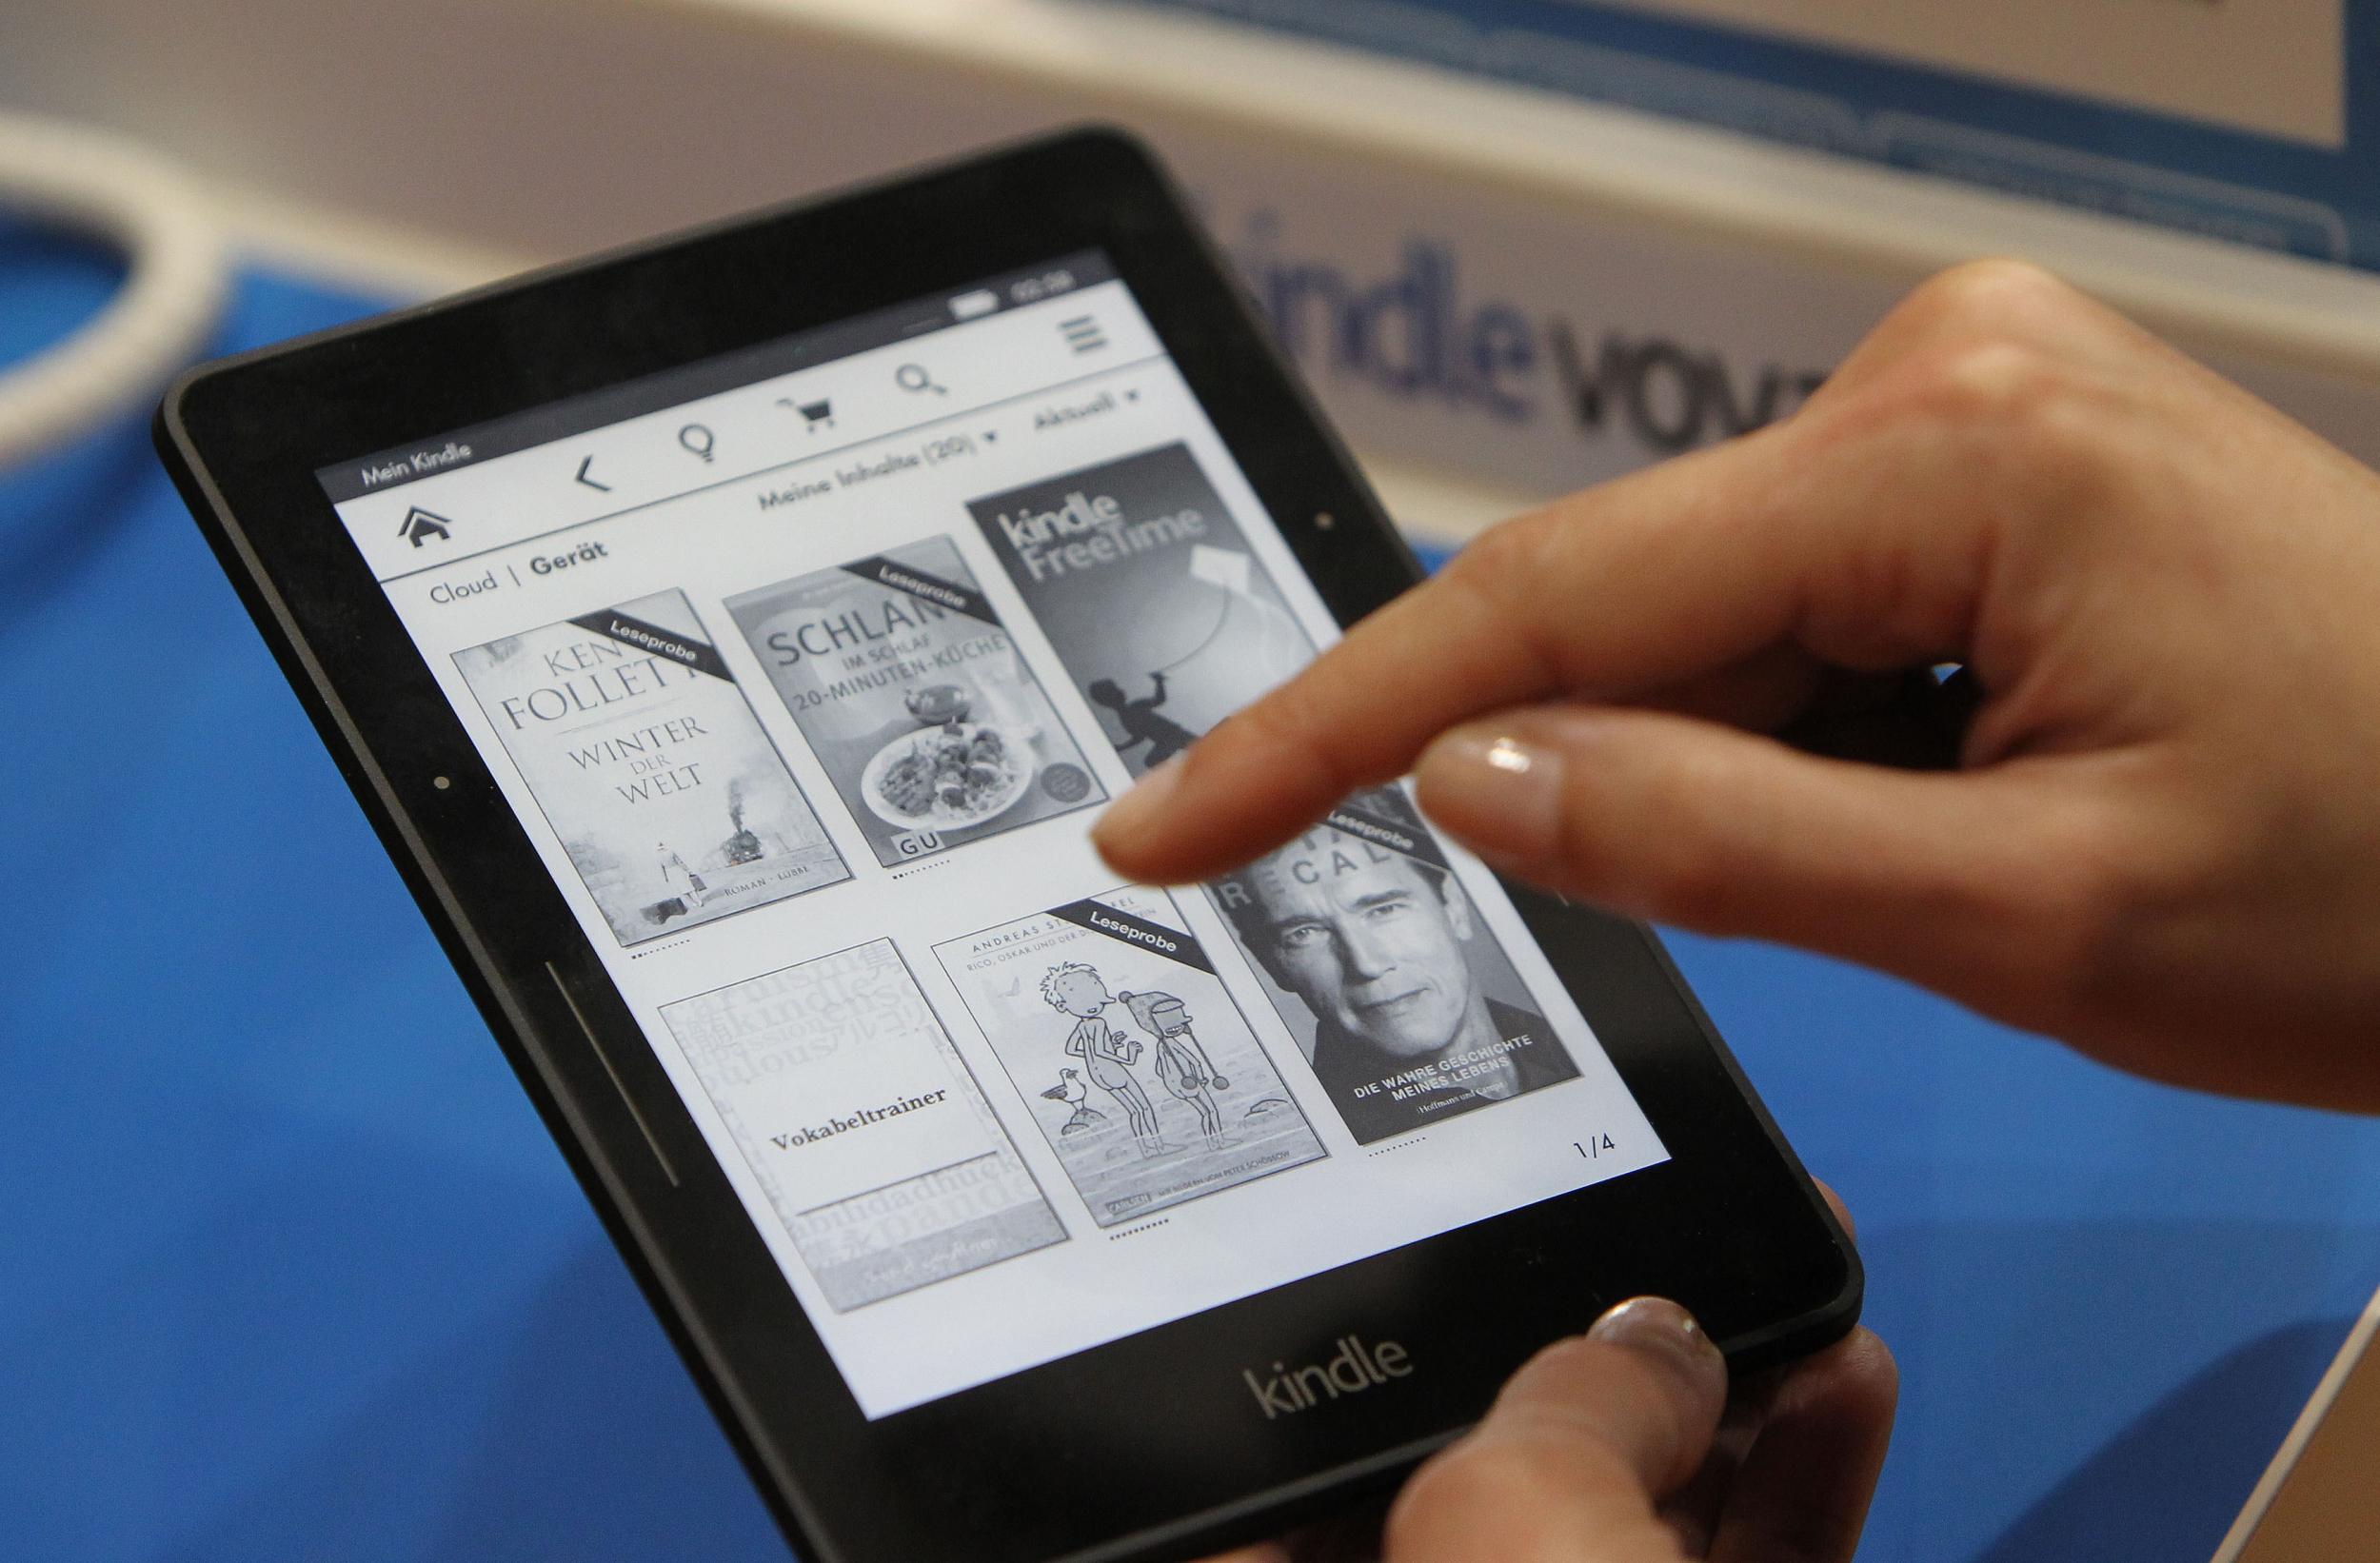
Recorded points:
(1571, 1460)
(1948, 878)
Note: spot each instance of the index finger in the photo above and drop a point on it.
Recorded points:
(1678, 571)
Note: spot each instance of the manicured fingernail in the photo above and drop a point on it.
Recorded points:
(1658, 1327)
(1139, 810)
(1498, 792)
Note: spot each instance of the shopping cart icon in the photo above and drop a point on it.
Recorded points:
(815, 415)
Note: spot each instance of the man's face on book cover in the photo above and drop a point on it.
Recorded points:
(1370, 939)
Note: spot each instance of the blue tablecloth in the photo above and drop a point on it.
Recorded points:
(289, 1269)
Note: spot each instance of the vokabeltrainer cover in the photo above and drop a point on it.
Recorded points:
(879, 1153)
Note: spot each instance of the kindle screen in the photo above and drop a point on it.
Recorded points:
(807, 670)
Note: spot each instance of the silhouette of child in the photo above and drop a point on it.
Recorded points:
(1141, 723)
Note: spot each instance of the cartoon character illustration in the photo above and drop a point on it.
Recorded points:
(1141, 723)
(1182, 1063)
(1073, 988)
(1071, 1091)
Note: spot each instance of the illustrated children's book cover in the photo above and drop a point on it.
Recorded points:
(1144, 1074)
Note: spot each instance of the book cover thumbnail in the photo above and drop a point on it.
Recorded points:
(862, 1121)
(915, 700)
(1383, 969)
(1148, 589)
(650, 767)
(1144, 1074)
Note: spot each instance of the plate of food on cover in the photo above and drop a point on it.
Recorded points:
(947, 776)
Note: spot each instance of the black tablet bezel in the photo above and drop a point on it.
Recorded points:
(1150, 1446)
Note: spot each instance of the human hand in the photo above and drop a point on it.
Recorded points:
(2161, 844)
(1623, 1446)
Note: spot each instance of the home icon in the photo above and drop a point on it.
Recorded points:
(420, 526)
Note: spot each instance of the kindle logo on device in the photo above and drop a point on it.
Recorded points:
(1354, 1368)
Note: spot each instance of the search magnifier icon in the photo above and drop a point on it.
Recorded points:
(912, 377)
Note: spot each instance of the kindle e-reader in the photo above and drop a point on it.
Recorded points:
(733, 639)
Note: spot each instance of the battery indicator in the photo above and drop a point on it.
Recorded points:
(967, 305)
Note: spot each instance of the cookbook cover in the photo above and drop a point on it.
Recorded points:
(916, 700)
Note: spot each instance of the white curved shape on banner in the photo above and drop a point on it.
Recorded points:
(128, 198)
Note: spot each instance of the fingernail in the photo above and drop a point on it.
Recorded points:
(1498, 791)
(1141, 809)
(1659, 1328)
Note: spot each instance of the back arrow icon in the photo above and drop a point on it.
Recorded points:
(590, 481)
